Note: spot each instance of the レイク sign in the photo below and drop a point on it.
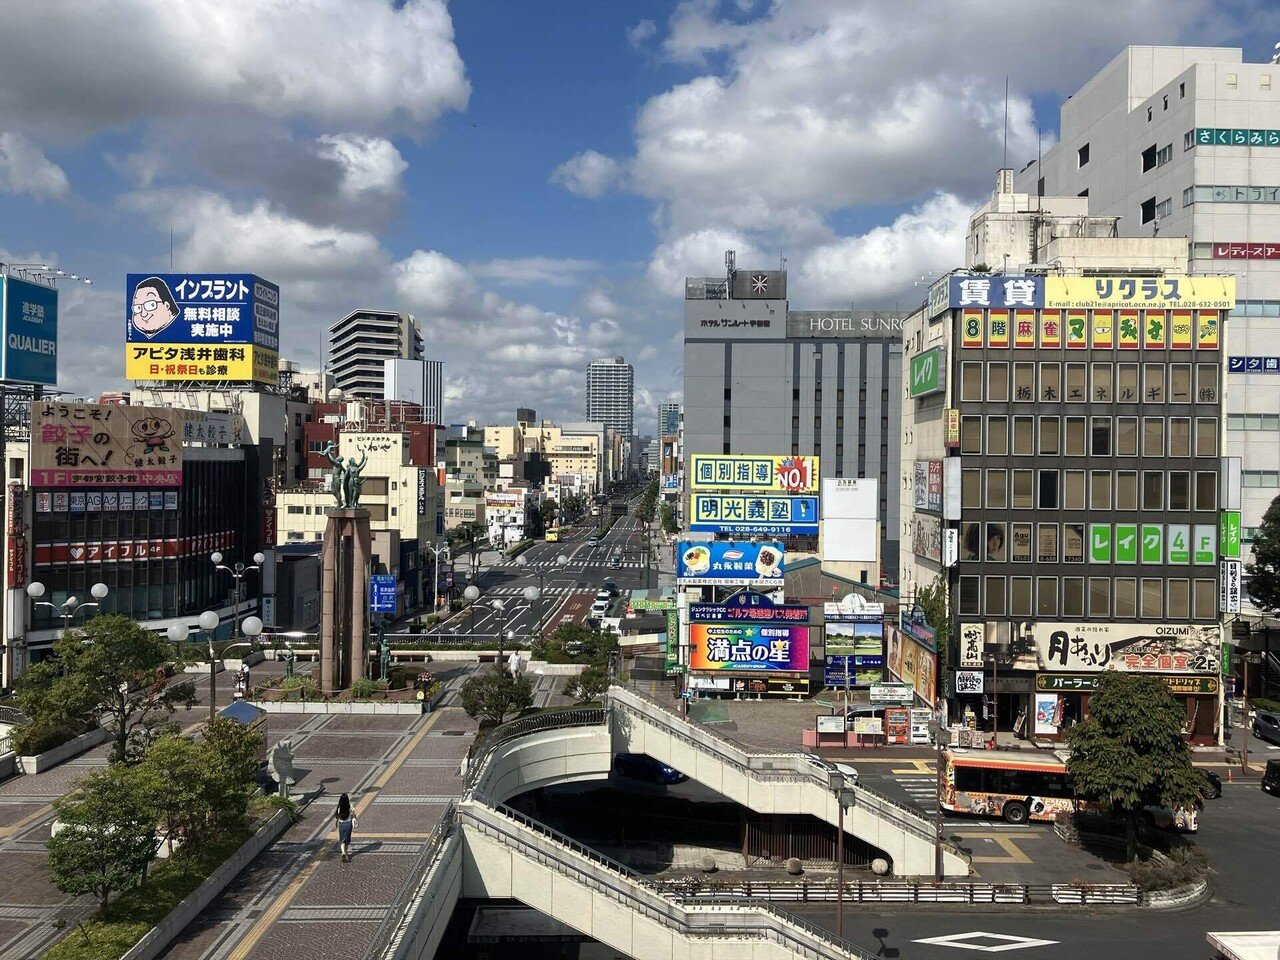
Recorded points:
(928, 373)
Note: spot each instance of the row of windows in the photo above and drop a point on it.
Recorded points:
(1000, 542)
(1259, 478)
(1253, 421)
(1176, 490)
(1123, 598)
(1088, 436)
(1256, 308)
(1090, 382)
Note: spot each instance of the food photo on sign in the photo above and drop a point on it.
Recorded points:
(724, 563)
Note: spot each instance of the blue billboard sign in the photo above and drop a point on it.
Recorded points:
(753, 515)
(382, 593)
(29, 329)
(1253, 365)
(727, 564)
(995, 292)
(751, 606)
(202, 308)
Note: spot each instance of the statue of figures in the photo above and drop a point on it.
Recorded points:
(288, 661)
(337, 486)
(353, 480)
(384, 650)
(280, 766)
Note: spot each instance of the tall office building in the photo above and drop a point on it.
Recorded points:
(611, 395)
(669, 418)
(762, 379)
(361, 343)
(1185, 142)
(416, 381)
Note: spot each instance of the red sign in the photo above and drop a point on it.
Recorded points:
(17, 561)
(1246, 251)
(128, 550)
(268, 513)
(935, 481)
(795, 475)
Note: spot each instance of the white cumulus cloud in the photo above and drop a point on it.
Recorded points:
(370, 165)
(588, 174)
(25, 169)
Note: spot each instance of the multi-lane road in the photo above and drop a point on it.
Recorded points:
(566, 576)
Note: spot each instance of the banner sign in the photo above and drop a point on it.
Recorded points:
(729, 564)
(201, 327)
(1229, 534)
(968, 681)
(748, 606)
(1229, 586)
(733, 646)
(1246, 251)
(28, 331)
(1132, 647)
(891, 693)
(982, 290)
(755, 474)
(1253, 364)
(1087, 683)
(754, 516)
(382, 593)
(1088, 293)
(914, 664)
(122, 550)
(972, 640)
(928, 372)
(928, 485)
(105, 445)
(926, 537)
(1236, 137)
(16, 541)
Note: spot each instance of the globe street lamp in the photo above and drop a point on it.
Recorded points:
(522, 562)
(435, 571)
(70, 606)
(238, 570)
(471, 594)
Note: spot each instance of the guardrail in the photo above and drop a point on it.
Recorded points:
(481, 748)
(6, 745)
(769, 765)
(692, 917)
(13, 715)
(898, 891)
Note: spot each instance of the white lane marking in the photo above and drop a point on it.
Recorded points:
(1010, 942)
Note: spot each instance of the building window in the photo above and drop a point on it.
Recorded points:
(1100, 437)
(997, 490)
(1050, 437)
(1153, 382)
(1082, 156)
(1152, 437)
(1253, 421)
(1127, 381)
(1083, 193)
(1102, 383)
(1099, 489)
(1259, 478)
(1152, 599)
(1047, 490)
(1020, 596)
(1179, 490)
(1073, 596)
(998, 382)
(1020, 543)
(1073, 543)
(1205, 600)
(1046, 596)
(1149, 114)
(971, 489)
(1165, 207)
(1182, 90)
(1164, 156)
(970, 595)
(1022, 490)
(1075, 436)
(1073, 490)
(1148, 164)
(1126, 598)
(1206, 490)
(971, 381)
(1206, 383)
(1180, 437)
(997, 436)
(1126, 436)
(1126, 490)
(1188, 142)
(1148, 210)
(971, 435)
(996, 549)
(1024, 436)
(1099, 597)
(995, 601)
(1024, 382)
(1077, 385)
(1206, 437)
(1179, 600)
(1152, 490)
(1166, 101)
(1040, 187)
(1050, 382)
(1179, 383)
(1046, 543)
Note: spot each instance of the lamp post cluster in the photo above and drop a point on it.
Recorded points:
(178, 633)
(70, 606)
(238, 570)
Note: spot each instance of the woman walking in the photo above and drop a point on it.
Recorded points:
(346, 821)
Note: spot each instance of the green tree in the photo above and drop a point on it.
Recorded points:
(491, 695)
(1263, 584)
(108, 834)
(591, 684)
(667, 517)
(1130, 753)
(111, 668)
(935, 604)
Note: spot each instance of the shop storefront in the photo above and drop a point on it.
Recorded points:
(1061, 700)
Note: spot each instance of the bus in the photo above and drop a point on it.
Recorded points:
(1026, 786)
(553, 535)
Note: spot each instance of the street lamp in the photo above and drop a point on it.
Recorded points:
(845, 798)
(435, 571)
(178, 633)
(70, 606)
(941, 738)
(522, 562)
(238, 570)
(471, 594)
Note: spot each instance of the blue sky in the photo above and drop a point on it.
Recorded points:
(531, 180)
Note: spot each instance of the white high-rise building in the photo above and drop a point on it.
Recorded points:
(361, 343)
(1185, 142)
(611, 395)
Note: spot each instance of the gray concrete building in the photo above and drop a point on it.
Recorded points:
(361, 343)
(1185, 142)
(762, 379)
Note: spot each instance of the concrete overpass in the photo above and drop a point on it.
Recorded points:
(487, 850)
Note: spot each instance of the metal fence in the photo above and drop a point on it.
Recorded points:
(900, 891)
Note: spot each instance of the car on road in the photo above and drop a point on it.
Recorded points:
(641, 766)
(1266, 726)
(1212, 789)
(593, 541)
(609, 587)
(1271, 777)
(615, 561)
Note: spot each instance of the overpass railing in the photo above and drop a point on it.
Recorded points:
(703, 917)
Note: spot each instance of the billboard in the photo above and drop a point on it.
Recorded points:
(28, 331)
(1091, 293)
(729, 564)
(850, 519)
(748, 646)
(927, 485)
(913, 664)
(775, 516)
(926, 537)
(181, 326)
(749, 606)
(105, 445)
(1131, 647)
(754, 474)
(854, 653)
(928, 372)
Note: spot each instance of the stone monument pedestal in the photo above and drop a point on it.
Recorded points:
(344, 613)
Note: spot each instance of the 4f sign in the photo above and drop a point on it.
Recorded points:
(928, 372)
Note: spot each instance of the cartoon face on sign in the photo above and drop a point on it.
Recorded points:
(153, 433)
(153, 307)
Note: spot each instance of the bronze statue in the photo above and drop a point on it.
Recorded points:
(345, 482)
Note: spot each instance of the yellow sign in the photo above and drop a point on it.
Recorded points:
(953, 427)
(972, 328)
(1024, 329)
(999, 336)
(179, 361)
(1207, 330)
(759, 474)
(1180, 329)
(1050, 330)
(1129, 329)
(1154, 332)
(1156, 293)
(1077, 330)
(1102, 329)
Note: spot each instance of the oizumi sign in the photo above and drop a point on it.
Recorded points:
(928, 372)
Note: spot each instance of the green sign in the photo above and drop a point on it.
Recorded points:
(1236, 137)
(1205, 549)
(1099, 543)
(1229, 534)
(928, 372)
(1126, 543)
(1225, 659)
(1179, 543)
(1152, 543)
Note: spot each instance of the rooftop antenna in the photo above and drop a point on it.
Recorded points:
(782, 261)
(1005, 159)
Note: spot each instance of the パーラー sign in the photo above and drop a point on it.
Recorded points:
(1135, 647)
(1088, 682)
(105, 445)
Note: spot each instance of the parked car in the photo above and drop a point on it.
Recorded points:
(641, 766)
(610, 587)
(1212, 788)
(828, 767)
(1266, 726)
(1271, 777)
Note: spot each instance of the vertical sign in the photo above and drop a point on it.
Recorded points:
(1180, 329)
(1024, 329)
(953, 428)
(1103, 329)
(1207, 329)
(998, 335)
(1154, 331)
(1128, 330)
(1051, 329)
(1077, 329)
(971, 329)
(1229, 586)
(1229, 534)
(1179, 543)
(1099, 543)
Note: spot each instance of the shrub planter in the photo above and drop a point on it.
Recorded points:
(338, 706)
(203, 668)
(158, 938)
(40, 762)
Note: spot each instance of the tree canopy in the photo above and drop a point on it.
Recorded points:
(492, 694)
(1263, 573)
(1130, 752)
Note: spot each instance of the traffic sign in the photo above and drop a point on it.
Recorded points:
(382, 593)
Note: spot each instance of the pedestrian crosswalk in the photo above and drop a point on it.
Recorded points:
(513, 590)
(922, 790)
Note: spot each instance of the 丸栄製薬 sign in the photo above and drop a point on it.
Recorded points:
(756, 474)
(727, 564)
